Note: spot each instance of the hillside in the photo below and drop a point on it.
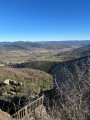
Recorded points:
(62, 57)
(71, 93)
(74, 54)
(38, 65)
(61, 69)
(33, 80)
(24, 86)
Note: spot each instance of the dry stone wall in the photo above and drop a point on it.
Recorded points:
(26, 112)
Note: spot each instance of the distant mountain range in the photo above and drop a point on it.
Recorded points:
(28, 45)
(44, 44)
(69, 42)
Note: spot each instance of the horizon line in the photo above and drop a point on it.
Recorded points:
(44, 41)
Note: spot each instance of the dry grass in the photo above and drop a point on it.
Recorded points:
(33, 80)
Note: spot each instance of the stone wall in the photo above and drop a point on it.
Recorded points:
(26, 112)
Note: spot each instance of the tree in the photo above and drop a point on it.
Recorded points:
(71, 100)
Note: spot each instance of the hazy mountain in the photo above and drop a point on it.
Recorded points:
(18, 45)
(45, 44)
(69, 42)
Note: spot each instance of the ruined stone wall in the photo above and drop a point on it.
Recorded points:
(27, 111)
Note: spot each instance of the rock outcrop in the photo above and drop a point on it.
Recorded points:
(11, 82)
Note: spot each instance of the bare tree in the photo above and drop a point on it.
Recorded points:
(72, 97)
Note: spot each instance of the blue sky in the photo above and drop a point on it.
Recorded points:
(47, 20)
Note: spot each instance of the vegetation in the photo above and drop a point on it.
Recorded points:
(38, 65)
(74, 54)
(30, 63)
(71, 98)
(33, 81)
(0, 62)
(49, 51)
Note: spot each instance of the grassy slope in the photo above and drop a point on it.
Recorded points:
(33, 80)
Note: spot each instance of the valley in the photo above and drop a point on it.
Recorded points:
(29, 70)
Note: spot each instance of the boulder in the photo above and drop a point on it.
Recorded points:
(19, 84)
(12, 82)
(6, 82)
(9, 82)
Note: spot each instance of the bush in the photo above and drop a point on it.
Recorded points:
(71, 101)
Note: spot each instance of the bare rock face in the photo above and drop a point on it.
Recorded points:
(5, 116)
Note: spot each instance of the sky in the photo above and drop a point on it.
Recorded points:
(44, 20)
